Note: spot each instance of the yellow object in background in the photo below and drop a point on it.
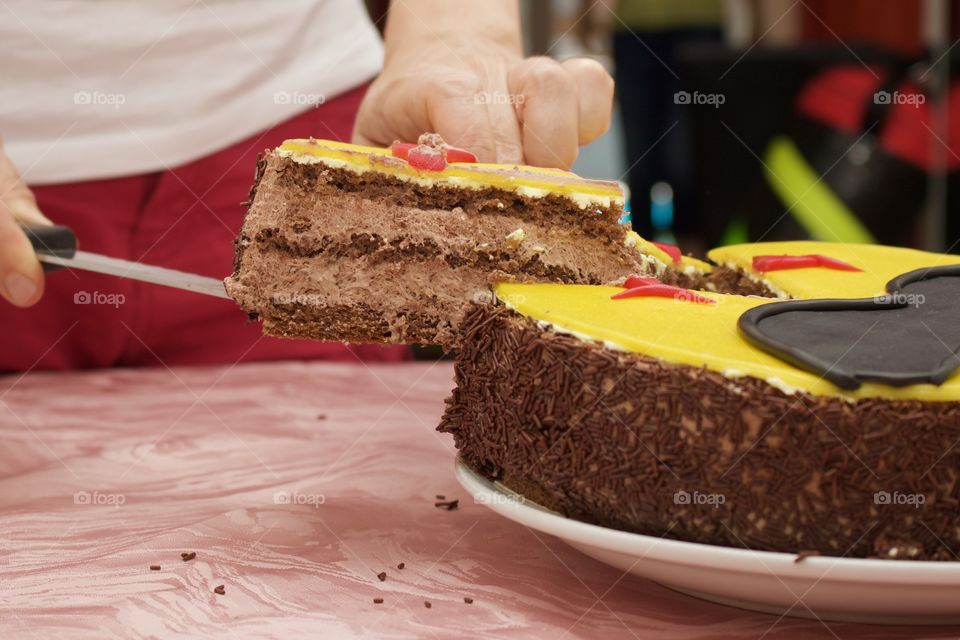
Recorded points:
(808, 199)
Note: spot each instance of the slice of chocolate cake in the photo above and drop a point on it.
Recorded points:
(829, 422)
(361, 244)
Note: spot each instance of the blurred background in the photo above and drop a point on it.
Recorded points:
(750, 120)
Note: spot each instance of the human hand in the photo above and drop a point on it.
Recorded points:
(21, 276)
(479, 93)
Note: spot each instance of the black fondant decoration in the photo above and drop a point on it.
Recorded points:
(909, 336)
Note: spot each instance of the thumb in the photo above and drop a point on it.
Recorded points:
(21, 276)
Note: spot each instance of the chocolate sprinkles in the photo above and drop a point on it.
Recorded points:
(633, 443)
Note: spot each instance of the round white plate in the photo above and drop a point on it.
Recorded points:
(841, 589)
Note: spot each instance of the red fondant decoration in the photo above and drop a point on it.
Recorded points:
(427, 158)
(639, 281)
(401, 149)
(450, 154)
(661, 290)
(839, 265)
(671, 250)
(762, 264)
(459, 155)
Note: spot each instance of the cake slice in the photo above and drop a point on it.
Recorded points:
(824, 420)
(361, 244)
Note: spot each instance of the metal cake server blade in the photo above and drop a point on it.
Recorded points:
(56, 247)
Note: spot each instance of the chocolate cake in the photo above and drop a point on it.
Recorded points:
(362, 244)
(827, 421)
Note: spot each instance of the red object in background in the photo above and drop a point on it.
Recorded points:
(671, 250)
(839, 97)
(764, 264)
(184, 218)
(891, 23)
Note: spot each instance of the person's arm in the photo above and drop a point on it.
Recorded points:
(455, 67)
(21, 276)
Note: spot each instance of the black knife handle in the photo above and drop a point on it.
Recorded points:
(54, 240)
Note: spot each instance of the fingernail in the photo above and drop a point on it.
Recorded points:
(27, 211)
(20, 288)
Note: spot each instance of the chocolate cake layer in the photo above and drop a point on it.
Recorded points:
(726, 280)
(331, 254)
(634, 443)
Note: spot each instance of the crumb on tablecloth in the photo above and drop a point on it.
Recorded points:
(449, 505)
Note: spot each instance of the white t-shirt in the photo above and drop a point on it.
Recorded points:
(100, 88)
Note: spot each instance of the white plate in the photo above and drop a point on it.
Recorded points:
(841, 589)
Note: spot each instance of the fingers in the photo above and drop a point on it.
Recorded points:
(548, 113)
(595, 94)
(537, 111)
(21, 276)
(458, 113)
(502, 112)
(432, 99)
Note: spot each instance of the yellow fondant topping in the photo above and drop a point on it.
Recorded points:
(689, 262)
(524, 180)
(880, 265)
(648, 248)
(706, 335)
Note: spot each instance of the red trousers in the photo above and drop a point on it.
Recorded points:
(184, 218)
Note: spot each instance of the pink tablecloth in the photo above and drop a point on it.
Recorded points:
(295, 485)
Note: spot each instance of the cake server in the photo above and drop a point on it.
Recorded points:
(56, 247)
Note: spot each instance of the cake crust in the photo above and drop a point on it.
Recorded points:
(631, 442)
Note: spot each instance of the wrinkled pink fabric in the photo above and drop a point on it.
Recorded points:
(106, 473)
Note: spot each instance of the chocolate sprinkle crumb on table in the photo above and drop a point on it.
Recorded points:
(220, 589)
(448, 505)
(187, 557)
(154, 567)
(382, 576)
(803, 555)
(427, 604)
(468, 600)
(321, 416)
(378, 601)
(401, 565)
(440, 496)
